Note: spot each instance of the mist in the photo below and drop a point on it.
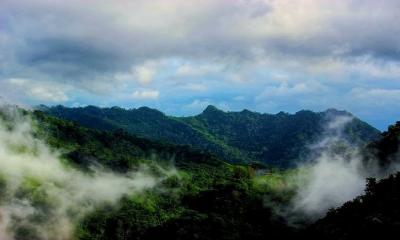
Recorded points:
(42, 197)
(335, 173)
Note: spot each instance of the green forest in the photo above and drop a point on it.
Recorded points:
(195, 194)
(273, 139)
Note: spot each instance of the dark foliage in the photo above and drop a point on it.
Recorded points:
(223, 211)
(386, 149)
(376, 214)
(117, 150)
(211, 199)
(233, 136)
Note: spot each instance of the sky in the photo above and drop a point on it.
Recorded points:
(181, 55)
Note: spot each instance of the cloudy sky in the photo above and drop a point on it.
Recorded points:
(181, 55)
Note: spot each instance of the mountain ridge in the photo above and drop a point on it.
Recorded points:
(244, 136)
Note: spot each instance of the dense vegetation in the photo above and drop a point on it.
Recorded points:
(229, 208)
(243, 136)
(209, 198)
(386, 149)
(231, 202)
(375, 215)
(117, 150)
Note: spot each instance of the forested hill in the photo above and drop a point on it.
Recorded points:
(245, 136)
(118, 150)
(206, 199)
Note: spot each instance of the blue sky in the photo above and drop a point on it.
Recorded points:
(181, 55)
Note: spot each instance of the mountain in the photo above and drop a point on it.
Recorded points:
(246, 136)
(117, 150)
(206, 199)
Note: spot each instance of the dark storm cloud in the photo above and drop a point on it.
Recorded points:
(69, 58)
(75, 37)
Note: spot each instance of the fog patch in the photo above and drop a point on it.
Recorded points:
(41, 197)
(336, 172)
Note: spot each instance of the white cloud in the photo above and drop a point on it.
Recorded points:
(376, 96)
(194, 87)
(239, 98)
(236, 78)
(145, 94)
(18, 81)
(188, 70)
(286, 90)
(39, 91)
(48, 94)
(365, 66)
(145, 73)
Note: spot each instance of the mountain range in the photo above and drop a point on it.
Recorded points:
(273, 139)
(207, 198)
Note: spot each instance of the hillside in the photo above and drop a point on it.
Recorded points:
(374, 215)
(272, 139)
(200, 200)
(386, 149)
(210, 196)
(117, 150)
(206, 198)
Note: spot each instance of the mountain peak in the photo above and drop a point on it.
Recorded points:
(336, 112)
(148, 111)
(211, 109)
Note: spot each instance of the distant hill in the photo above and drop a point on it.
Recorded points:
(246, 136)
